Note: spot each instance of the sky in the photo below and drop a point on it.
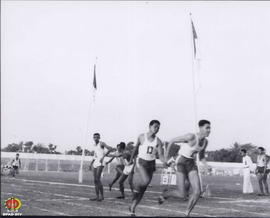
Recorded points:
(143, 56)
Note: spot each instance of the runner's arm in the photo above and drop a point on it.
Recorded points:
(159, 149)
(184, 138)
(110, 160)
(135, 151)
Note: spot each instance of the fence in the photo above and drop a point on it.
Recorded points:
(71, 163)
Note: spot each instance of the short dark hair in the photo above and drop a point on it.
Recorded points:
(122, 145)
(261, 148)
(96, 134)
(152, 122)
(244, 150)
(203, 122)
(18, 154)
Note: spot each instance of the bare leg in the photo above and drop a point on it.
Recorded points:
(260, 178)
(96, 185)
(121, 185)
(100, 186)
(117, 176)
(146, 178)
(264, 180)
(130, 181)
(196, 190)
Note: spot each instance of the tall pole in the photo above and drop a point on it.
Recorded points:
(193, 58)
(80, 178)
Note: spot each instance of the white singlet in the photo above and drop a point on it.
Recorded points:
(147, 150)
(16, 162)
(261, 160)
(119, 160)
(188, 151)
(99, 152)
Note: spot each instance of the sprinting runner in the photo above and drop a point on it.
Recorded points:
(99, 154)
(127, 172)
(261, 171)
(16, 164)
(186, 165)
(147, 147)
(119, 162)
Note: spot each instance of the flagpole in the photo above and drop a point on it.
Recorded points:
(194, 93)
(80, 178)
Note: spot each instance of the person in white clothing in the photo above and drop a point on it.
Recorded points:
(247, 162)
(147, 147)
(186, 164)
(98, 165)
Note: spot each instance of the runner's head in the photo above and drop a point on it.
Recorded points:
(205, 127)
(260, 150)
(243, 152)
(96, 137)
(17, 155)
(121, 146)
(154, 126)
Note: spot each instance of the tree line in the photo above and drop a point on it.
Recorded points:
(231, 154)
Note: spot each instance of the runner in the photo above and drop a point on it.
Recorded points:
(186, 165)
(147, 147)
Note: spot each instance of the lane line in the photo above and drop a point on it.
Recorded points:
(81, 185)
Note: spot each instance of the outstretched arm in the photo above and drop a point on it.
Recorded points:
(109, 148)
(184, 138)
(135, 151)
(110, 160)
(160, 153)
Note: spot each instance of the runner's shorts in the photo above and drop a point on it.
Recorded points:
(260, 169)
(186, 165)
(148, 165)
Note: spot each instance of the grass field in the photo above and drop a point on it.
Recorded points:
(58, 193)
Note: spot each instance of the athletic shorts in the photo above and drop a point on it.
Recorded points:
(186, 165)
(15, 167)
(148, 165)
(260, 169)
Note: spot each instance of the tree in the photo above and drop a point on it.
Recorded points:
(12, 148)
(233, 153)
(28, 146)
(40, 148)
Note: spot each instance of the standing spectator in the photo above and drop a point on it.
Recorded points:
(261, 171)
(247, 162)
(16, 164)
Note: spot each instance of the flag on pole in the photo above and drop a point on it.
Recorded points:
(95, 79)
(196, 57)
(195, 40)
(195, 37)
(80, 177)
(196, 82)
